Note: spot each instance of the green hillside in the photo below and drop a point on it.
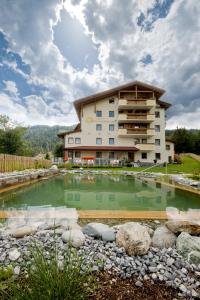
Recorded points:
(43, 138)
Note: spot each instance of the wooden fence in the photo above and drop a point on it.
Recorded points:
(10, 163)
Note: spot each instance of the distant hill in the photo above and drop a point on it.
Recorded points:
(43, 138)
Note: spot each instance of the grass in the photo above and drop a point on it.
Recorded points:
(47, 280)
(189, 166)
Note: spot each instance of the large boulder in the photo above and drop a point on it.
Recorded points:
(108, 235)
(74, 236)
(189, 247)
(192, 227)
(22, 231)
(163, 238)
(134, 238)
(95, 229)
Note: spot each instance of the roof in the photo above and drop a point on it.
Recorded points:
(76, 129)
(102, 148)
(169, 140)
(164, 104)
(92, 98)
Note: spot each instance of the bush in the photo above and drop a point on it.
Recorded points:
(47, 280)
(177, 159)
(67, 166)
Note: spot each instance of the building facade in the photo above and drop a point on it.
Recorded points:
(126, 123)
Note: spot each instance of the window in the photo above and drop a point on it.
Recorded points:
(144, 155)
(98, 127)
(77, 154)
(111, 127)
(77, 140)
(98, 141)
(98, 154)
(157, 142)
(144, 141)
(111, 113)
(70, 140)
(111, 155)
(98, 113)
(157, 128)
(157, 156)
(168, 147)
(157, 114)
(70, 154)
(111, 100)
(111, 141)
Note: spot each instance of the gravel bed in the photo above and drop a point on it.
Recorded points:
(164, 266)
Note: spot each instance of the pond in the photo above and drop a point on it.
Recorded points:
(99, 192)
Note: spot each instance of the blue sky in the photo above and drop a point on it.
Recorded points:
(52, 53)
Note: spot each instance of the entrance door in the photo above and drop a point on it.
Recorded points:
(131, 156)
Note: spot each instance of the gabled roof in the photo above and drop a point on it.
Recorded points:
(111, 92)
(77, 128)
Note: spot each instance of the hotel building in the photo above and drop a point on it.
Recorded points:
(122, 124)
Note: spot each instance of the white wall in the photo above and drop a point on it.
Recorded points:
(89, 134)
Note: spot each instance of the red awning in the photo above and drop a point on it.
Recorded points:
(88, 157)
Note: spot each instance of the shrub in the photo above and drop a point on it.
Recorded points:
(67, 166)
(177, 159)
(48, 280)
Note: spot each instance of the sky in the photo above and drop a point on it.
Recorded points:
(53, 52)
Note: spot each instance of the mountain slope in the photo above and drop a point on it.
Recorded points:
(43, 138)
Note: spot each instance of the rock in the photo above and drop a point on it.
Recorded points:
(182, 288)
(14, 255)
(170, 261)
(22, 231)
(95, 229)
(150, 230)
(156, 222)
(134, 238)
(195, 294)
(192, 227)
(189, 247)
(16, 270)
(163, 238)
(194, 257)
(54, 168)
(108, 235)
(74, 236)
(139, 283)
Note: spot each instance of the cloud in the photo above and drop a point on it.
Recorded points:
(161, 48)
(11, 88)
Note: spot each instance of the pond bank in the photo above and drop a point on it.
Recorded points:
(131, 250)
(12, 180)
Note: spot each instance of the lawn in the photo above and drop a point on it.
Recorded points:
(189, 166)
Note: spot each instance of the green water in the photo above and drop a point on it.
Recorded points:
(99, 192)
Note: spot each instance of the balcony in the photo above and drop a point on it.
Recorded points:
(136, 132)
(139, 103)
(136, 117)
(145, 147)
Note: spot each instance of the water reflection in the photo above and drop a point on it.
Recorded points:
(100, 192)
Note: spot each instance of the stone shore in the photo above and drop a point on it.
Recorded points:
(18, 177)
(130, 249)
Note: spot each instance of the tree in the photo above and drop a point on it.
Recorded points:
(11, 141)
(58, 152)
(183, 141)
(47, 156)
